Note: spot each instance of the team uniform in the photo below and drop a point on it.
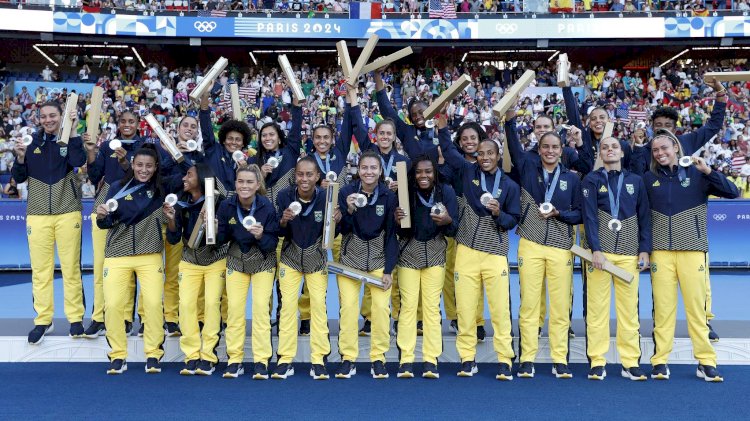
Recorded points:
(302, 256)
(621, 196)
(544, 252)
(248, 259)
(202, 277)
(482, 257)
(369, 244)
(216, 156)
(678, 198)
(425, 140)
(53, 216)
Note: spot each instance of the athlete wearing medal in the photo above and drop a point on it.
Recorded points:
(617, 219)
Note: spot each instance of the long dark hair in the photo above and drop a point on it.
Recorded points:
(148, 149)
(481, 134)
(374, 155)
(203, 171)
(262, 152)
(414, 187)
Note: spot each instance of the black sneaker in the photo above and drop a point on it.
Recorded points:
(205, 368)
(36, 336)
(304, 328)
(561, 371)
(468, 369)
(189, 368)
(365, 331)
(117, 367)
(394, 329)
(233, 371)
(94, 330)
(420, 328)
(140, 330)
(571, 334)
(319, 372)
(260, 372)
(378, 371)
(128, 327)
(153, 366)
(481, 334)
(346, 370)
(504, 372)
(597, 373)
(405, 371)
(660, 372)
(283, 371)
(526, 370)
(430, 371)
(76, 330)
(709, 373)
(453, 326)
(633, 373)
(172, 329)
(712, 336)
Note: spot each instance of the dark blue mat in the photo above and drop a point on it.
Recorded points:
(84, 391)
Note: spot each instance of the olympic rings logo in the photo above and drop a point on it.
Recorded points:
(720, 216)
(506, 28)
(204, 26)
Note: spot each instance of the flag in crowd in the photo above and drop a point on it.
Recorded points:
(445, 9)
(212, 13)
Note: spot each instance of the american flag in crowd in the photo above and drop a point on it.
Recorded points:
(247, 93)
(445, 9)
(212, 13)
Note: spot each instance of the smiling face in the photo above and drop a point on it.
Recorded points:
(188, 129)
(550, 149)
(127, 125)
(144, 167)
(190, 181)
(385, 136)
(233, 142)
(610, 151)
(322, 139)
(664, 123)
(50, 118)
(416, 115)
(469, 141)
(487, 155)
(664, 151)
(306, 175)
(598, 120)
(269, 138)
(424, 173)
(246, 184)
(542, 125)
(369, 170)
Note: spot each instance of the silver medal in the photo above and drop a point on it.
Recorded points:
(360, 200)
(686, 161)
(111, 205)
(331, 176)
(614, 225)
(248, 221)
(546, 207)
(438, 209)
(388, 181)
(114, 144)
(171, 199)
(273, 162)
(429, 123)
(485, 199)
(238, 156)
(27, 140)
(191, 145)
(295, 207)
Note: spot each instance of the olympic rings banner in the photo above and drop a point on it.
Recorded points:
(728, 225)
(513, 27)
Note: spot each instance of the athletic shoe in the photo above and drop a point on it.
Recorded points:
(633, 373)
(233, 371)
(660, 372)
(709, 373)
(36, 336)
(504, 372)
(128, 327)
(453, 326)
(283, 371)
(468, 369)
(94, 330)
(260, 372)
(153, 366)
(76, 330)
(346, 370)
(172, 329)
(318, 372)
(394, 329)
(140, 330)
(430, 371)
(365, 331)
(117, 367)
(571, 334)
(597, 373)
(189, 368)
(526, 370)
(481, 334)
(712, 336)
(378, 370)
(205, 368)
(304, 328)
(405, 371)
(420, 328)
(561, 371)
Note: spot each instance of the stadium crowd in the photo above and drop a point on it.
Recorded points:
(629, 96)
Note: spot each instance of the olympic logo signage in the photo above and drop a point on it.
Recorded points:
(720, 216)
(204, 26)
(506, 28)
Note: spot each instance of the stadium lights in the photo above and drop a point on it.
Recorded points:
(511, 51)
(252, 56)
(673, 58)
(721, 48)
(138, 56)
(82, 45)
(292, 51)
(464, 57)
(553, 55)
(39, 50)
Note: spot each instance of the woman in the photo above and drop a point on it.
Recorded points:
(434, 215)
(302, 256)
(250, 257)
(618, 230)
(550, 209)
(134, 246)
(202, 274)
(488, 210)
(369, 244)
(678, 198)
(53, 216)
